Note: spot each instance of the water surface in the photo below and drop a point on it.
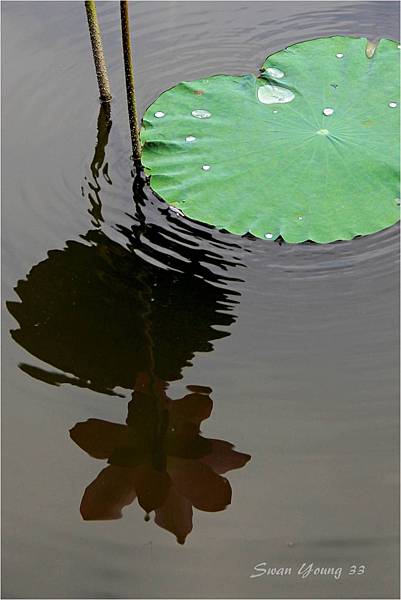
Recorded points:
(296, 346)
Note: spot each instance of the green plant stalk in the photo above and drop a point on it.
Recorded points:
(129, 81)
(97, 50)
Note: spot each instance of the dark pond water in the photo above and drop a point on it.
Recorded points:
(115, 305)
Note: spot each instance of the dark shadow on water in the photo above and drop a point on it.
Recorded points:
(109, 316)
(102, 314)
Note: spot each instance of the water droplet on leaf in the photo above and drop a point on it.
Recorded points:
(268, 236)
(392, 104)
(328, 111)
(323, 132)
(201, 114)
(276, 73)
(340, 55)
(177, 211)
(370, 49)
(273, 94)
(190, 138)
(206, 167)
(159, 114)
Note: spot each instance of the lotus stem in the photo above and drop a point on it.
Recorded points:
(129, 82)
(97, 51)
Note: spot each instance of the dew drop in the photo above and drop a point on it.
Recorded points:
(300, 218)
(275, 111)
(268, 236)
(190, 138)
(370, 49)
(340, 55)
(392, 104)
(176, 210)
(276, 73)
(328, 111)
(273, 94)
(201, 114)
(323, 132)
(159, 114)
(206, 168)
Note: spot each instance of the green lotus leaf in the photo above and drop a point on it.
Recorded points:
(309, 150)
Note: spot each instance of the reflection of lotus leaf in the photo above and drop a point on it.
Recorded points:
(307, 151)
(95, 311)
(158, 457)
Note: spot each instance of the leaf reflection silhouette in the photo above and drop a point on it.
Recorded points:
(158, 457)
(132, 315)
